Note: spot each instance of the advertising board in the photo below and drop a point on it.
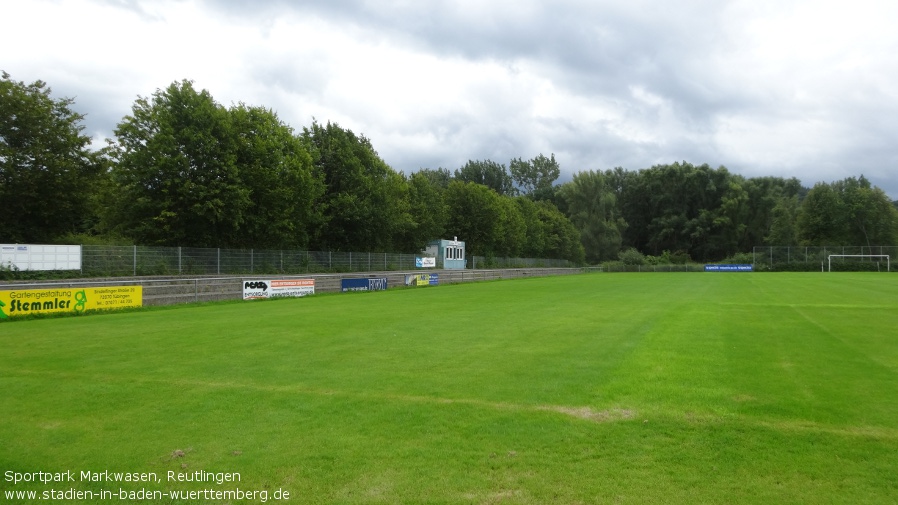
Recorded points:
(49, 301)
(40, 257)
(422, 280)
(425, 262)
(363, 284)
(268, 288)
(728, 268)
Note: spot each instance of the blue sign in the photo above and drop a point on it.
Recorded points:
(369, 284)
(728, 268)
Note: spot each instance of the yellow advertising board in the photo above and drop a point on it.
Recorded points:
(20, 302)
(422, 280)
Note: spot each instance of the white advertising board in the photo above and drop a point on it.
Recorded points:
(40, 257)
(425, 262)
(267, 288)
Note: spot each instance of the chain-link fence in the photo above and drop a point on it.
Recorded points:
(493, 262)
(815, 259)
(142, 260)
(617, 266)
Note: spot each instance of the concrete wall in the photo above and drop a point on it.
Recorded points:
(176, 290)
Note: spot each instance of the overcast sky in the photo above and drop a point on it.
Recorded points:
(787, 88)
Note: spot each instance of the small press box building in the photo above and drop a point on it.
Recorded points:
(450, 254)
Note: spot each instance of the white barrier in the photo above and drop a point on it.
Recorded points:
(40, 257)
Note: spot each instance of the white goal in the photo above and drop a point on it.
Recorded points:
(886, 256)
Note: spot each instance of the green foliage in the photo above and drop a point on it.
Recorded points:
(13, 273)
(427, 210)
(562, 236)
(739, 259)
(871, 219)
(92, 239)
(186, 171)
(366, 206)
(177, 173)
(707, 213)
(850, 212)
(547, 232)
(440, 177)
(48, 175)
(783, 222)
(535, 230)
(631, 257)
(592, 208)
(487, 173)
(767, 214)
(492, 225)
(276, 168)
(535, 176)
(475, 215)
(822, 220)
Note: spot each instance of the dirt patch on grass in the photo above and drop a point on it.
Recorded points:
(599, 416)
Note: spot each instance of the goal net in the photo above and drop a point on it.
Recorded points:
(860, 262)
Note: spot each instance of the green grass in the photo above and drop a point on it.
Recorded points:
(600, 388)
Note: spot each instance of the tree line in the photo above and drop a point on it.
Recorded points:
(184, 170)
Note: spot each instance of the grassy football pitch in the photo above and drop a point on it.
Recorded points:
(598, 388)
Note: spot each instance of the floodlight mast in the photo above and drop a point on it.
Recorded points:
(886, 256)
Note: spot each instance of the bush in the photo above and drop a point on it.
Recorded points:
(740, 259)
(631, 257)
(88, 239)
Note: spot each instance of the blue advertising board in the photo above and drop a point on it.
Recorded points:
(728, 268)
(365, 284)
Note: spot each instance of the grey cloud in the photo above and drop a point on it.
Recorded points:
(687, 58)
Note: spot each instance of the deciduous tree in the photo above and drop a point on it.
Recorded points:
(177, 172)
(475, 214)
(487, 173)
(535, 177)
(428, 212)
(366, 206)
(592, 209)
(284, 190)
(48, 174)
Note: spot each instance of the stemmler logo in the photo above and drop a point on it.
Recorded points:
(80, 301)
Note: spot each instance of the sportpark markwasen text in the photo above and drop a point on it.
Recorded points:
(107, 476)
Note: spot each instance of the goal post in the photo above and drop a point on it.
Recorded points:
(886, 256)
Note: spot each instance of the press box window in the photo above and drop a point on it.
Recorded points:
(454, 253)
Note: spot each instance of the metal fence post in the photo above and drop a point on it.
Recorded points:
(135, 261)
